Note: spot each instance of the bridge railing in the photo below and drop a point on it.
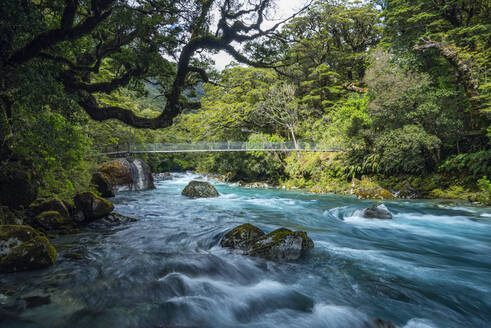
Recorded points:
(216, 146)
(231, 146)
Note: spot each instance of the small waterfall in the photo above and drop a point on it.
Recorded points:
(140, 175)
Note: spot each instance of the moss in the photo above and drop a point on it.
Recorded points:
(8, 216)
(241, 237)
(117, 172)
(368, 189)
(93, 206)
(49, 204)
(52, 220)
(279, 234)
(23, 248)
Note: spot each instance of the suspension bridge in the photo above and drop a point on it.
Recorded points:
(200, 147)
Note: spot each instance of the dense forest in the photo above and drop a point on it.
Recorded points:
(402, 86)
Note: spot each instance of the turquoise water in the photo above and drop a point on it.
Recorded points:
(428, 267)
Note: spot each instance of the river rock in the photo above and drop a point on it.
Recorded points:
(241, 237)
(377, 211)
(162, 176)
(23, 248)
(49, 204)
(53, 220)
(257, 185)
(103, 184)
(200, 189)
(131, 173)
(279, 245)
(91, 206)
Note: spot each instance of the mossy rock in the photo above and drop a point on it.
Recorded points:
(92, 206)
(117, 172)
(49, 204)
(366, 189)
(200, 189)
(17, 186)
(241, 237)
(281, 245)
(23, 248)
(8, 216)
(53, 220)
(103, 183)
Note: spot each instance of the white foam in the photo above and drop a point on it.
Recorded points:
(420, 323)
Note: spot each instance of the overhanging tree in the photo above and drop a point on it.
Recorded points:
(95, 47)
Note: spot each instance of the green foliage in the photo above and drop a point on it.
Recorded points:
(57, 147)
(474, 164)
(408, 149)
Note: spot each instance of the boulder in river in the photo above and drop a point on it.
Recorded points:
(131, 173)
(200, 189)
(23, 248)
(91, 206)
(377, 211)
(241, 237)
(279, 245)
(162, 176)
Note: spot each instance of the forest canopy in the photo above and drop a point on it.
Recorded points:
(402, 86)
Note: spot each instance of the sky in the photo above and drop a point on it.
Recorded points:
(285, 9)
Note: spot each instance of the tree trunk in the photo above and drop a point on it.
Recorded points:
(295, 143)
(5, 128)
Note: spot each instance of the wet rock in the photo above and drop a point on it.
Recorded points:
(91, 206)
(377, 211)
(200, 189)
(53, 220)
(49, 204)
(257, 185)
(366, 189)
(279, 245)
(18, 188)
(23, 248)
(103, 183)
(241, 237)
(132, 173)
(113, 219)
(162, 176)
(282, 245)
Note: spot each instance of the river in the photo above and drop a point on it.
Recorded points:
(428, 267)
